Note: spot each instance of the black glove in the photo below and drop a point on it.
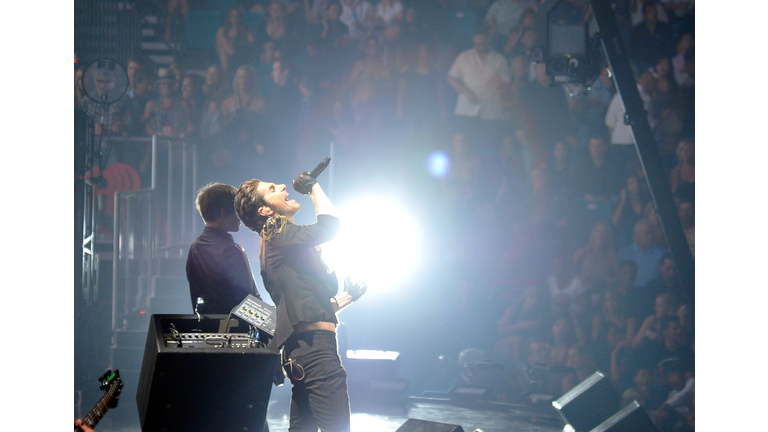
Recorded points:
(303, 183)
(356, 289)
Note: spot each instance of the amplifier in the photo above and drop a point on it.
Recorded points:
(197, 376)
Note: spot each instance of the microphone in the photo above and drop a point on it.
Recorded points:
(319, 168)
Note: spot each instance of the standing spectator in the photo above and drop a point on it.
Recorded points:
(234, 41)
(133, 66)
(142, 94)
(167, 115)
(242, 113)
(667, 281)
(522, 321)
(281, 114)
(613, 312)
(315, 12)
(686, 213)
(629, 210)
(335, 33)
(682, 178)
(421, 94)
(682, 75)
(547, 109)
(480, 75)
(278, 29)
(563, 281)
(562, 174)
(213, 87)
(650, 40)
(502, 17)
(597, 262)
(389, 13)
(192, 93)
(563, 339)
(596, 184)
(643, 253)
(358, 16)
(665, 308)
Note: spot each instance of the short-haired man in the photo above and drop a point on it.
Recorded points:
(217, 267)
(303, 290)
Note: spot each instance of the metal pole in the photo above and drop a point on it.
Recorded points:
(645, 142)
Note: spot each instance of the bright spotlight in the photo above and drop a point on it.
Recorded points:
(438, 164)
(378, 243)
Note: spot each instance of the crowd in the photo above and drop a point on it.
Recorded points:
(544, 188)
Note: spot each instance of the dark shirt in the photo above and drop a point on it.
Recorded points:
(296, 277)
(646, 47)
(218, 271)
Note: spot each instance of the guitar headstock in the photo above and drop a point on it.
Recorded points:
(112, 385)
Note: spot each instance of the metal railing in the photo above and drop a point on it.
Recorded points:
(152, 223)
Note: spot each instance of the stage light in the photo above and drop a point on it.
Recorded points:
(379, 243)
(438, 164)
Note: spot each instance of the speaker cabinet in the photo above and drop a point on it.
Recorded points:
(590, 403)
(202, 388)
(631, 418)
(414, 425)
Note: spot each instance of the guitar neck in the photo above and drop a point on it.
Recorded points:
(97, 413)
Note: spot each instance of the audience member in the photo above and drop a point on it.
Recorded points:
(479, 75)
(522, 321)
(191, 92)
(167, 115)
(503, 16)
(667, 281)
(281, 114)
(643, 252)
(683, 176)
(564, 337)
(234, 41)
(683, 76)
(213, 87)
(597, 262)
(686, 213)
(665, 307)
(277, 28)
(613, 312)
(421, 94)
(629, 210)
(580, 361)
(359, 16)
(657, 231)
(563, 280)
(547, 109)
(134, 64)
(335, 33)
(650, 39)
(242, 115)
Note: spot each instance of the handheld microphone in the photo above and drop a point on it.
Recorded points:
(319, 168)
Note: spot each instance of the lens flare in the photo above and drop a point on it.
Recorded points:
(379, 243)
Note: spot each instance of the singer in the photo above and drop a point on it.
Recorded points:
(303, 290)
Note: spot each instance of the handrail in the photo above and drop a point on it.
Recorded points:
(152, 223)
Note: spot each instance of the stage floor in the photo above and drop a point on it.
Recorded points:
(388, 417)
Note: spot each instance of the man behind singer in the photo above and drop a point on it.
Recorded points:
(217, 267)
(303, 290)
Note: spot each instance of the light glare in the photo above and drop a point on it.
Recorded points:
(378, 243)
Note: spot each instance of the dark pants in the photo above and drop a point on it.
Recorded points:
(320, 398)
